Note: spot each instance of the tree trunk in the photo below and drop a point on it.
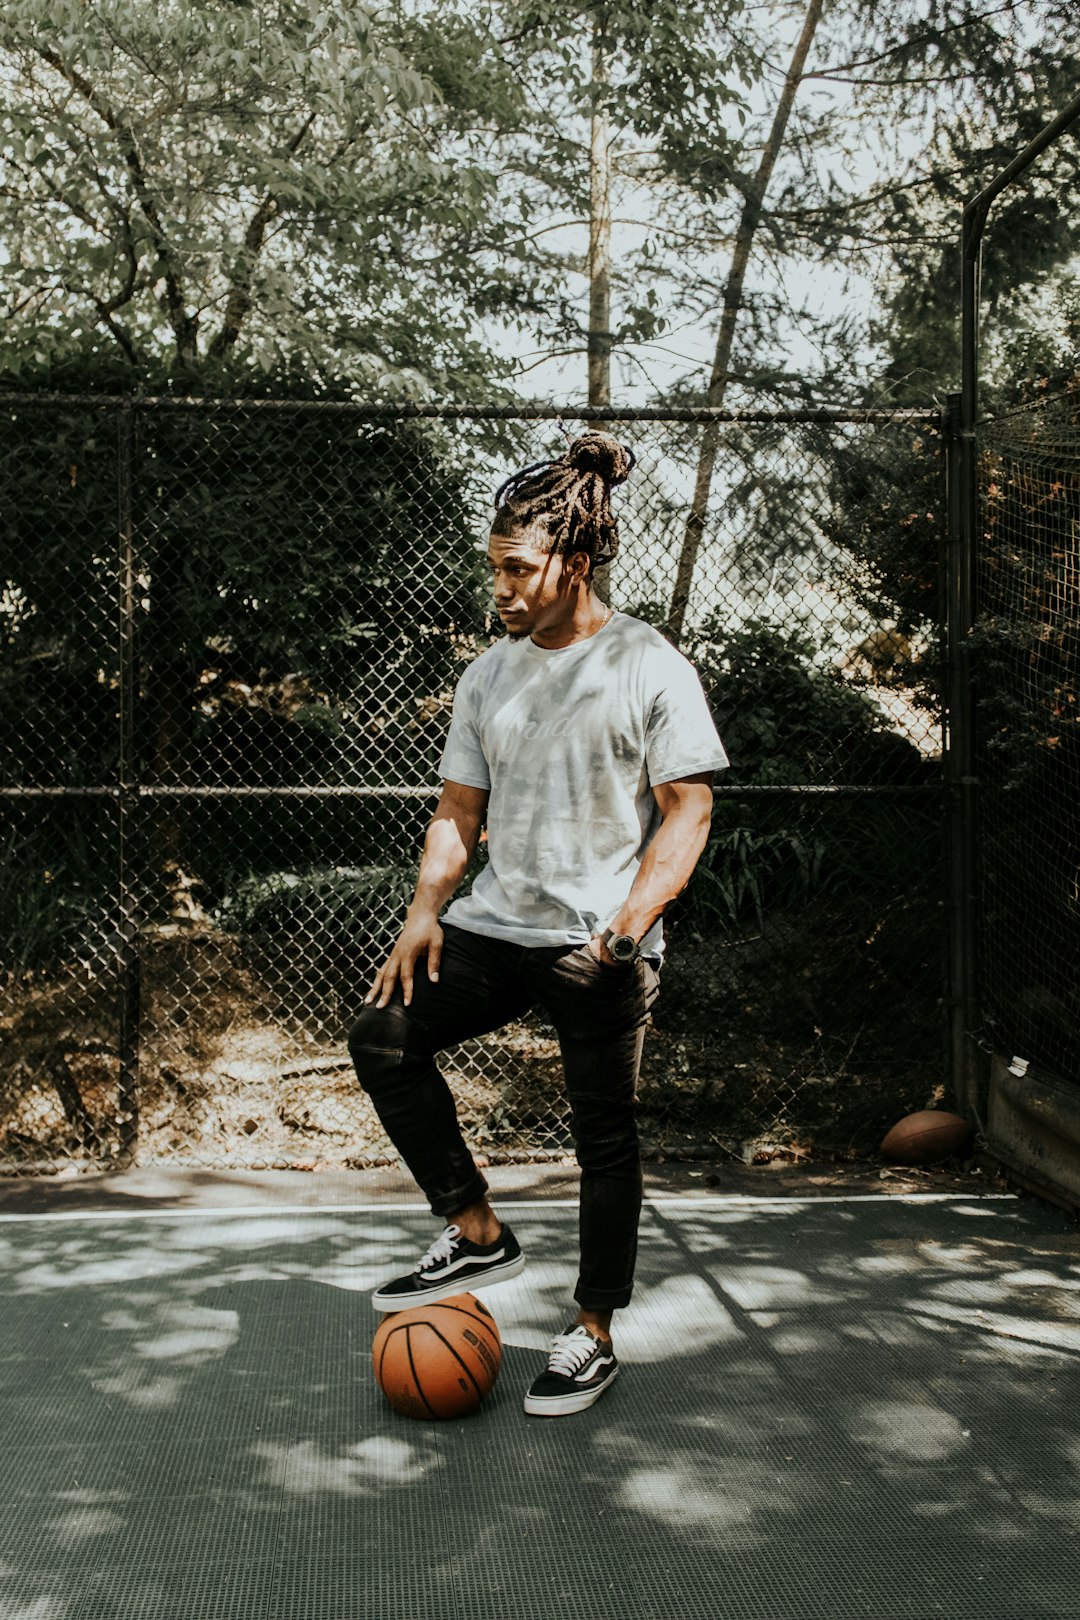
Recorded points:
(599, 354)
(239, 301)
(732, 304)
(599, 227)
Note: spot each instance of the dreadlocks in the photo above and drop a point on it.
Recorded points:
(569, 499)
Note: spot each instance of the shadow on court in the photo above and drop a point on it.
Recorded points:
(831, 1407)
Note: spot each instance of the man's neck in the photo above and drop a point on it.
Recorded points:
(589, 617)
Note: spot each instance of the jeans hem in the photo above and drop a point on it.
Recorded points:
(447, 1204)
(603, 1299)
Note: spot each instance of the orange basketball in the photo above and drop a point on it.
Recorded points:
(439, 1360)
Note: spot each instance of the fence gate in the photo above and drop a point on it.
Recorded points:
(1015, 774)
(1027, 643)
(229, 636)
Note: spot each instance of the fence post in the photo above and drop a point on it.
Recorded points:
(960, 778)
(128, 805)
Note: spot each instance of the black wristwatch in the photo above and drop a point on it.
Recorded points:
(623, 947)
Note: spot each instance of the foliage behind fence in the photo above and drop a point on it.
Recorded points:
(229, 638)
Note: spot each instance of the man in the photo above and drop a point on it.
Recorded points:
(585, 739)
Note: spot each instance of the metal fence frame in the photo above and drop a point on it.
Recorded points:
(131, 795)
(969, 1050)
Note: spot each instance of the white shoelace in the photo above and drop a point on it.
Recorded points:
(570, 1352)
(442, 1248)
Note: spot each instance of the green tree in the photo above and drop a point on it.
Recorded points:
(988, 78)
(615, 91)
(1008, 70)
(214, 183)
(876, 137)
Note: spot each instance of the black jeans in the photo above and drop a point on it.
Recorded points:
(599, 1013)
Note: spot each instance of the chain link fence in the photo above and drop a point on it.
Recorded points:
(229, 638)
(1028, 642)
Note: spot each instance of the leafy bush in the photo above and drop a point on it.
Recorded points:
(787, 722)
(54, 891)
(745, 871)
(314, 936)
(328, 902)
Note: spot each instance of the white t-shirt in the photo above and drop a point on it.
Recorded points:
(571, 741)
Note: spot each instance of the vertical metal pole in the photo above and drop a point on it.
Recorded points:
(963, 782)
(960, 780)
(128, 799)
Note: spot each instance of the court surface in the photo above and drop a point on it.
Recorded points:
(832, 1406)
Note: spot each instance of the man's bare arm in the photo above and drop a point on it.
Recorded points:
(449, 845)
(686, 807)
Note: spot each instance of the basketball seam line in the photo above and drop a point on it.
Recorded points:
(471, 1377)
(444, 1305)
(407, 1330)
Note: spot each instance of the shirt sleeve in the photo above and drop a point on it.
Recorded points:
(463, 754)
(680, 736)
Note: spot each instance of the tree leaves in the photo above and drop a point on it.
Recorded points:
(391, 194)
(166, 169)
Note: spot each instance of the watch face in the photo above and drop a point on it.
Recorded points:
(623, 947)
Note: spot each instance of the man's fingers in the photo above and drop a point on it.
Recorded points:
(400, 968)
(389, 977)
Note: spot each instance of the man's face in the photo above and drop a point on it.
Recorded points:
(534, 589)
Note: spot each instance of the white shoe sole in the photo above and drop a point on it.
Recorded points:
(564, 1405)
(446, 1290)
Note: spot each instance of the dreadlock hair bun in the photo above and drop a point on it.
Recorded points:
(567, 501)
(601, 454)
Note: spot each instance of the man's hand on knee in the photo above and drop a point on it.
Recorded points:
(421, 936)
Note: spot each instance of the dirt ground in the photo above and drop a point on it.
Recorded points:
(751, 1058)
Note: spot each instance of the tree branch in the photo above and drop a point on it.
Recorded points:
(550, 354)
(185, 329)
(31, 297)
(238, 302)
(106, 307)
(855, 202)
(890, 84)
(38, 177)
(930, 36)
(123, 338)
(732, 303)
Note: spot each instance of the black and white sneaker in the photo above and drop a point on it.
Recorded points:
(453, 1265)
(579, 1370)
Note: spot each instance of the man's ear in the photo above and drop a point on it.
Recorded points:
(577, 564)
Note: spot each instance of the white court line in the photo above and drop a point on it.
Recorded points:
(717, 1201)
